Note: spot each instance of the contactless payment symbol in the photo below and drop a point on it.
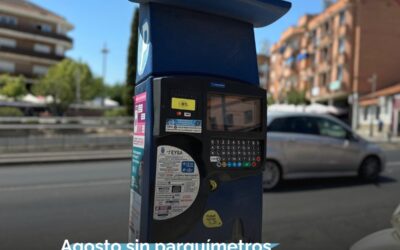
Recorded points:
(187, 167)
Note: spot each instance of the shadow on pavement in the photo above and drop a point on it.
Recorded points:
(328, 183)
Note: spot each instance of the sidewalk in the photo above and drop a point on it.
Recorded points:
(71, 156)
(383, 141)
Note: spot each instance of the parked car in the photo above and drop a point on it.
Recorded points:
(388, 239)
(302, 145)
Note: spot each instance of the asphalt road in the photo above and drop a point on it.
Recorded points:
(41, 205)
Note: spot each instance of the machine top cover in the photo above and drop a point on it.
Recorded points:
(260, 13)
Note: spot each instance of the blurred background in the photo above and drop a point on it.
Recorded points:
(67, 73)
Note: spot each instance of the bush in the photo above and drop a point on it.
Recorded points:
(10, 112)
(119, 112)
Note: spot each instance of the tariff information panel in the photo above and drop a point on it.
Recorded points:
(177, 182)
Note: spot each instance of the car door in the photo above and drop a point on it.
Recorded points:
(339, 151)
(301, 144)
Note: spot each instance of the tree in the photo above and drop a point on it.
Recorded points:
(117, 93)
(132, 60)
(12, 87)
(296, 97)
(270, 100)
(67, 80)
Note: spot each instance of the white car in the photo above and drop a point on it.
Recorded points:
(301, 145)
(388, 239)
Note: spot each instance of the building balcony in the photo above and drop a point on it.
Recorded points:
(34, 31)
(31, 53)
(326, 41)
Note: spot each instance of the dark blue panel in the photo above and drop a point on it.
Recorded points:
(234, 200)
(183, 42)
(257, 12)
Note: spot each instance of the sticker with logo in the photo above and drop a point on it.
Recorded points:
(144, 47)
(137, 163)
(177, 182)
(183, 126)
(211, 219)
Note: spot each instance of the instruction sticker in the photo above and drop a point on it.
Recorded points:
(139, 126)
(183, 126)
(177, 182)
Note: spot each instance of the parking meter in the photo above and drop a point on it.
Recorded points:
(200, 127)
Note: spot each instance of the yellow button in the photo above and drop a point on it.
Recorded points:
(183, 104)
(211, 219)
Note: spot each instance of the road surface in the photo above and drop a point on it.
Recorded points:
(41, 205)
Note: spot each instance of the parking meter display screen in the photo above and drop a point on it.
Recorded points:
(232, 113)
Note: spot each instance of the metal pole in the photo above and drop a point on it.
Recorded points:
(105, 51)
(373, 80)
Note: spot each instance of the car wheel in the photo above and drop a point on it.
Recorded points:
(271, 175)
(370, 169)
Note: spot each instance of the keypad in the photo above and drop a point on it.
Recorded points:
(234, 153)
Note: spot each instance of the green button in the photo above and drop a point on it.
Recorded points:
(246, 164)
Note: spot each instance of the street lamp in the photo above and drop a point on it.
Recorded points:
(105, 51)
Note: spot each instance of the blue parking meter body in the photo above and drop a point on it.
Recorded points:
(200, 126)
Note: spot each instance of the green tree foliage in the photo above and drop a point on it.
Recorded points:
(117, 93)
(118, 112)
(296, 97)
(132, 60)
(270, 100)
(64, 80)
(10, 112)
(12, 87)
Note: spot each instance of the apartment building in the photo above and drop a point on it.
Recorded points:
(333, 55)
(32, 39)
(263, 70)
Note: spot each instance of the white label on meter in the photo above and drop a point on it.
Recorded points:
(177, 182)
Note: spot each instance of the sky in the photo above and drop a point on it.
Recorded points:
(100, 22)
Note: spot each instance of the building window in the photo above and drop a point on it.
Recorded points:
(311, 82)
(41, 48)
(61, 29)
(7, 67)
(39, 70)
(342, 17)
(294, 44)
(60, 50)
(323, 79)
(325, 54)
(340, 73)
(327, 27)
(44, 27)
(312, 58)
(6, 42)
(9, 20)
(314, 38)
(342, 45)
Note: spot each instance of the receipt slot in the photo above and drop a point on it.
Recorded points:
(199, 130)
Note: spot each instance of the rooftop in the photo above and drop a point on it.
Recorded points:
(31, 9)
